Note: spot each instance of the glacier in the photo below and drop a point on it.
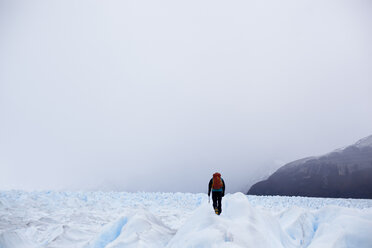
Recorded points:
(57, 219)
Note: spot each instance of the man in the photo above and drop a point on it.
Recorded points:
(217, 185)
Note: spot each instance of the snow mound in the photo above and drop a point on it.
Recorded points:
(139, 229)
(239, 225)
(328, 227)
(343, 228)
(15, 238)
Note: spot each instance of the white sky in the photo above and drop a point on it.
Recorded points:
(158, 95)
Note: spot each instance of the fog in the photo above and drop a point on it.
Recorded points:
(159, 95)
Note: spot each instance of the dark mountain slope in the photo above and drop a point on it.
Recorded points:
(344, 173)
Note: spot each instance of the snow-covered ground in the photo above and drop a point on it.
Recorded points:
(115, 219)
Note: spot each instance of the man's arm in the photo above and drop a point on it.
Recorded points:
(210, 187)
(223, 187)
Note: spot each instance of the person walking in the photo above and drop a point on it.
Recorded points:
(217, 186)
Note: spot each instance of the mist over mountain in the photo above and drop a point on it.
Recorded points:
(345, 172)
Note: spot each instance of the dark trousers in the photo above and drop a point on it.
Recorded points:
(217, 198)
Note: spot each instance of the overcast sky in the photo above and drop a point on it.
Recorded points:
(158, 95)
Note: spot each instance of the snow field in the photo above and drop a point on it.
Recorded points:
(116, 219)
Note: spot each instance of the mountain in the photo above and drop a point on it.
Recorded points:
(343, 173)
